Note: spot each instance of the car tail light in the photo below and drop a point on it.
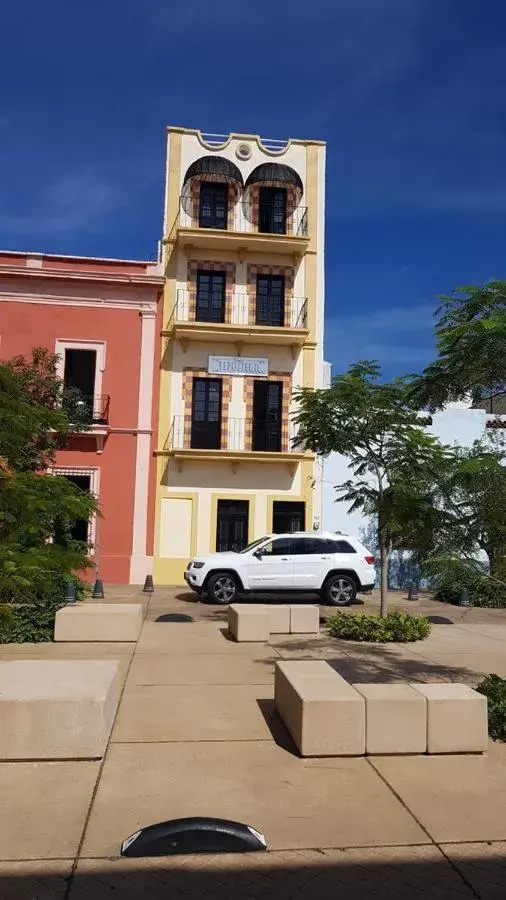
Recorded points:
(369, 560)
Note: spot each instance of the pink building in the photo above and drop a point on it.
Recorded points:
(102, 317)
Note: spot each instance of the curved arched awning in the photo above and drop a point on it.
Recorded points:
(276, 174)
(214, 168)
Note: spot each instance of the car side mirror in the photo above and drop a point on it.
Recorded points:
(258, 553)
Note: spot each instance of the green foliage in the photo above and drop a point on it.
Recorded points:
(38, 512)
(391, 456)
(470, 338)
(449, 574)
(37, 415)
(494, 689)
(397, 625)
(33, 619)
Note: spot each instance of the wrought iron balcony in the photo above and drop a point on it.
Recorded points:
(233, 435)
(239, 310)
(86, 409)
(243, 226)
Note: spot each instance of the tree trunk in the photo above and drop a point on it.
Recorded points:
(497, 561)
(384, 549)
(384, 557)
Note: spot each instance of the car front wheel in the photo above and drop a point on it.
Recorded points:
(339, 590)
(222, 588)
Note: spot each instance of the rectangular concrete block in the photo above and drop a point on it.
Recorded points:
(99, 622)
(395, 719)
(456, 718)
(279, 616)
(248, 622)
(57, 709)
(304, 619)
(323, 713)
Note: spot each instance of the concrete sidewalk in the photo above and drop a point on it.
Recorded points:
(196, 734)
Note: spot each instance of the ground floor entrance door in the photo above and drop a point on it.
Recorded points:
(232, 525)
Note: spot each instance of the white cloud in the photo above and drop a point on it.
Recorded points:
(72, 202)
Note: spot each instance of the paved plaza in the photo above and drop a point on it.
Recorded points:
(196, 734)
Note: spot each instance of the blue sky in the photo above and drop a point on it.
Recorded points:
(409, 95)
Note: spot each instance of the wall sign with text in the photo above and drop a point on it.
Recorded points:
(238, 365)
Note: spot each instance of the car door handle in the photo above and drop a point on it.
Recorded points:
(324, 557)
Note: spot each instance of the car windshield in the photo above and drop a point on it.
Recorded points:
(254, 544)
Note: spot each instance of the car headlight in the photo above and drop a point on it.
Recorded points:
(197, 565)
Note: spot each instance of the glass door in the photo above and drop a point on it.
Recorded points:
(267, 415)
(206, 414)
(232, 525)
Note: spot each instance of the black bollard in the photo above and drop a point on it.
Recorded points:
(98, 590)
(412, 591)
(464, 597)
(70, 592)
(148, 585)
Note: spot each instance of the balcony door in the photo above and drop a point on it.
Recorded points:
(270, 300)
(79, 375)
(213, 205)
(272, 210)
(210, 297)
(267, 415)
(206, 414)
(232, 525)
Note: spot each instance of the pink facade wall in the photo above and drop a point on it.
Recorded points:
(56, 314)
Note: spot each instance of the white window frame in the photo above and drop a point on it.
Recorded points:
(94, 476)
(63, 344)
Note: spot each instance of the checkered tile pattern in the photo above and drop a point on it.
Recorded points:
(288, 273)
(248, 399)
(209, 265)
(226, 393)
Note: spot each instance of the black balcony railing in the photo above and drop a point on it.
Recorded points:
(87, 410)
(267, 435)
(245, 216)
(240, 309)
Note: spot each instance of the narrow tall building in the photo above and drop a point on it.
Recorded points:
(243, 257)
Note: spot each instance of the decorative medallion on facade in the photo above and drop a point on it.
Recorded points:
(243, 151)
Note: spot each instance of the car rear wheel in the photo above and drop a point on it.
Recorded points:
(222, 588)
(339, 590)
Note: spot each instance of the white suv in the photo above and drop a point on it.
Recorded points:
(336, 566)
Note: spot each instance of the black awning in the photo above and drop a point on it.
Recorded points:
(276, 173)
(216, 166)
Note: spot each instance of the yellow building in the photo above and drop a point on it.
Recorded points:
(243, 255)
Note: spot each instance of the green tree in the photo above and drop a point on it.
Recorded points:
(471, 489)
(36, 418)
(471, 346)
(391, 456)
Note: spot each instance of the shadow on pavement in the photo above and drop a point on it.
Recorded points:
(395, 873)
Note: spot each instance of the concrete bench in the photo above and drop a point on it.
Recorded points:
(323, 713)
(247, 622)
(395, 719)
(456, 718)
(304, 619)
(99, 622)
(57, 709)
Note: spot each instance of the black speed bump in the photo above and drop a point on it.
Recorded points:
(193, 835)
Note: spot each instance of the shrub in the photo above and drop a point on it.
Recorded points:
(397, 625)
(451, 574)
(494, 689)
(34, 621)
